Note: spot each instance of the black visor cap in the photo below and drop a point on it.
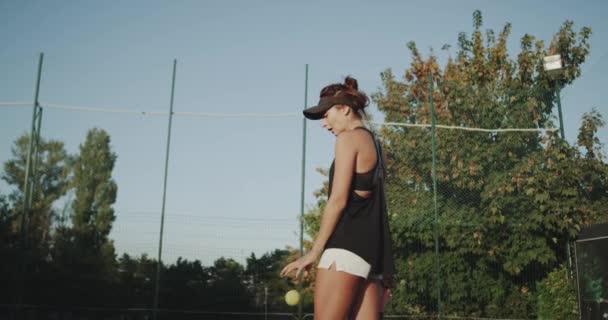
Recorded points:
(318, 112)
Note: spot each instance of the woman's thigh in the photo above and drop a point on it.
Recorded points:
(334, 293)
(368, 302)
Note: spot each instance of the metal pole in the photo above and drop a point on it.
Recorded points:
(435, 196)
(578, 285)
(265, 302)
(559, 110)
(162, 215)
(35, 156)
(27, 186)
(561, 131)
(302, 187)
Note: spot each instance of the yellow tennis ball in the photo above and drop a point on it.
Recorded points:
(292, 297)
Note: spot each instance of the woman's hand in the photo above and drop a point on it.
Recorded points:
(302, 264)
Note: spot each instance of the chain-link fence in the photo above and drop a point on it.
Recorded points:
(472, 221)
(479, 218)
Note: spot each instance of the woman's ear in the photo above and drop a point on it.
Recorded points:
(347, 110)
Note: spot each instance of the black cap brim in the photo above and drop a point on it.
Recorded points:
(318, 112)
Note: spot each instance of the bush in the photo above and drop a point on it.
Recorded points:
(556, 296)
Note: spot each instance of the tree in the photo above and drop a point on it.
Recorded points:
(137, 280)
(94, 186)
(30, 252)
(51, 182)
(508, 202)
(312, 223)
(264, 282)
(9, 249)
(185, 285)
(83, 253)
(228, 287)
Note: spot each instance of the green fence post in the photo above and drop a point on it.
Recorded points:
(302, 186)
(28, 187)
(162, 215)
(561, 131)
(436, 223)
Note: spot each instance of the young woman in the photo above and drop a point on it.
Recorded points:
(353, 246)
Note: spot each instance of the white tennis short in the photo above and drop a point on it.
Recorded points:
(348, 262)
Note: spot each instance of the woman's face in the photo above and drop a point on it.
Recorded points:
(334, 119)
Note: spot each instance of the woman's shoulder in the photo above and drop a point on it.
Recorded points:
(348, 138)
(359, 136)
(356, 140)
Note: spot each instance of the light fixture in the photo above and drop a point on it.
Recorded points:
(553, 65)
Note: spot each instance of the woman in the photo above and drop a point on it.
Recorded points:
(353, 246)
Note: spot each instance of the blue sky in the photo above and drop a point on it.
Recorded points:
(234, 184)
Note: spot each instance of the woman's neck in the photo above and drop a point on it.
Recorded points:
(355, 124)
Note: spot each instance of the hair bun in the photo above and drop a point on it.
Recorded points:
(351, 82)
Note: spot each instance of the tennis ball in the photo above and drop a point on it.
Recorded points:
(292, 297)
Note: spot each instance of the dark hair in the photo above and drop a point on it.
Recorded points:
(349, 87)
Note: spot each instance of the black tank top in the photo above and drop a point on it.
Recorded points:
(363, 225)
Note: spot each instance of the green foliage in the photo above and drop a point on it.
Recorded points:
(136, 281)
(73, 263)
(228, 288)
(28, 252)
(82, 252)
(556, 296)
(312, 217)
(8, 246)
(185, 284)
(507, 202)
(7, 217)
(50, 183)
(94, 187)
(263, 281)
